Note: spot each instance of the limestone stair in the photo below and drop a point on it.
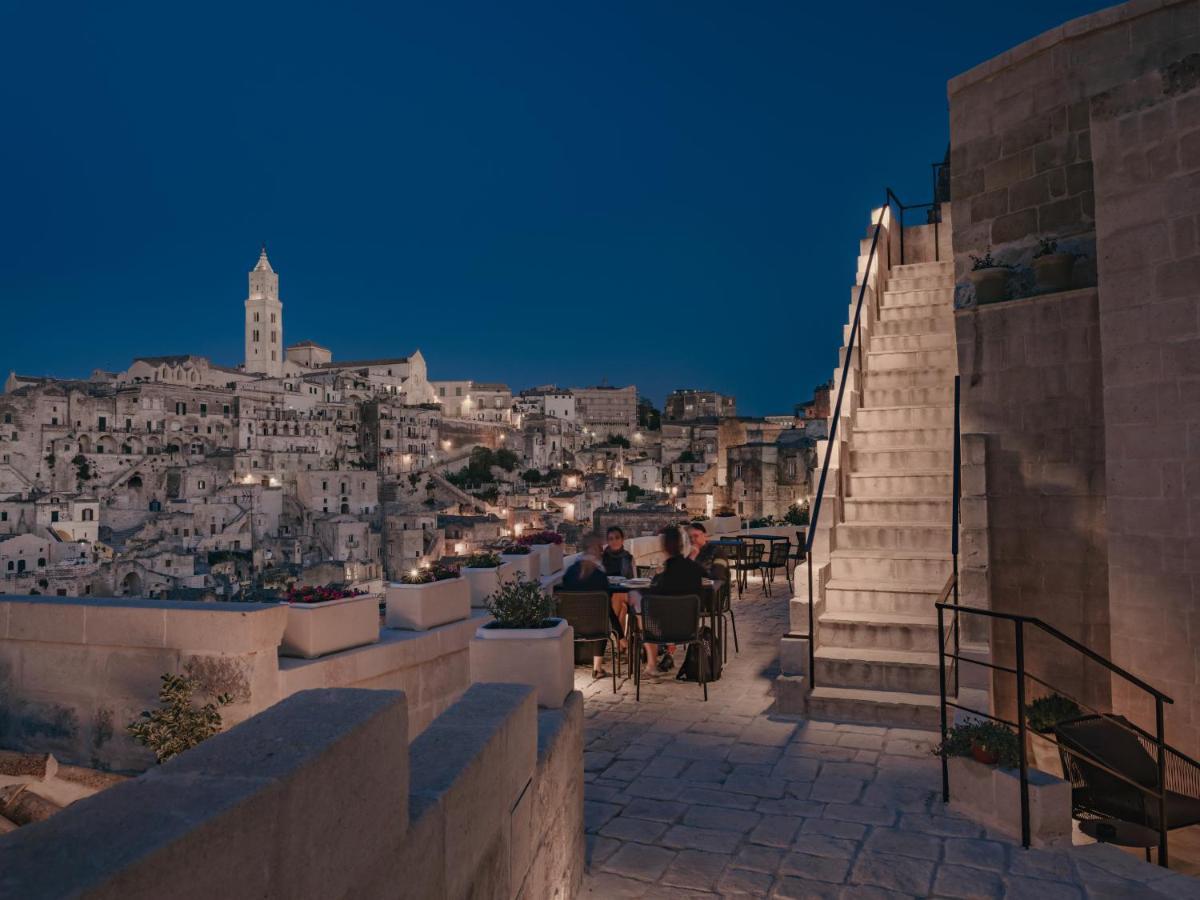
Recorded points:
(876, 658)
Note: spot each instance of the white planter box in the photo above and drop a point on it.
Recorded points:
(724, 524)
(552, 557)
(419, 607)
(538, 552)
(526, 565)
(318, 629)
(991, 796)
(485, 581)
(542, 657)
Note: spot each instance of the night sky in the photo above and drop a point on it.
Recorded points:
(660, 193)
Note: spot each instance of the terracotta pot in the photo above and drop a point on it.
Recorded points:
(991, 285)
(983, 755)
(1053, 272)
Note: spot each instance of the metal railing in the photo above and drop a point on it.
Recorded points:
(890, 201)
(1185, 771)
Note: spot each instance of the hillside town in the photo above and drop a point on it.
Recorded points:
(181, 478)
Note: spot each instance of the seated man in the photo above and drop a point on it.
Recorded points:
(680, 576)
(587, 574)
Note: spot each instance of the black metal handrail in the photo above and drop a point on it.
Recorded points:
(1020, 624)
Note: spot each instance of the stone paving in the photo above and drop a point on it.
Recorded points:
(692, 799)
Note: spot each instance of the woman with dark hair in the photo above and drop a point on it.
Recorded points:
(616, 559)
(679, 576)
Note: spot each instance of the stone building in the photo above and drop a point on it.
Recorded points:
(687, 404)
(604, 410)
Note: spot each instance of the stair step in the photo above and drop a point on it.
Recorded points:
(880, 379)
(938, 324)
(944, 268)
(909, 396)
(915, 509)
(905, 671)
(895, 708)
(897, 438)
(912, 311)
(901, 459)
(879, 631)
(919, 483)
(907, 566)
(942, 281)
(891, 536)
(904, 417)
(944, 358)
(883, 597)
(933, 340)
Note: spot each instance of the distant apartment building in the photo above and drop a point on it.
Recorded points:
(687, 404)
(475, 400)
(604, 410)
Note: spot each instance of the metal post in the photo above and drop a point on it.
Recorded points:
(1020, 642)
(901, 205)
(1160, 739)
(955, 515)
(812, 634)
(942, 705)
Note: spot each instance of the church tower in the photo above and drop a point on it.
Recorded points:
(264, 320)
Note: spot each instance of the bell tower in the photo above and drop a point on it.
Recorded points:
(264, 320)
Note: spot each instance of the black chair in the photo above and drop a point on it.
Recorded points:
(668, 620)
(723, 591)
(775, 560)
(745, 558)
(1093, 748)
(588, 613)
(795, 558)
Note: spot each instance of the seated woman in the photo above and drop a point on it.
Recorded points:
(618, 561)
(587, 574)
(680, 576)
(702, 551)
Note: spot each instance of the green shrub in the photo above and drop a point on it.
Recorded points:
(178, 724)
(1046, 712)
(994, 737)
(797, 514)
(519, 604)
(483, 561)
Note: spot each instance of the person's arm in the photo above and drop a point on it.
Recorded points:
(627, 566)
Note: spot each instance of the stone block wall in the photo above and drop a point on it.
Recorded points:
(1031, 391)
(1146, 144)
(1021, 133)
(323, 796)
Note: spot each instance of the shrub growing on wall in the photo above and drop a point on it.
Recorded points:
(178, 724)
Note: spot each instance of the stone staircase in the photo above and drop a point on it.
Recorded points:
(889, 550)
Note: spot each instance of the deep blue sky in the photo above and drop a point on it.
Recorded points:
(663, 193)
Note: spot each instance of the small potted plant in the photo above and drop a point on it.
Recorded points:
(426, 598)
(525, 643)
(990, 279)
(988, 743)
(548, 546)
(1052, 267)
(324, 620)
(1042, 715)
(485, 572)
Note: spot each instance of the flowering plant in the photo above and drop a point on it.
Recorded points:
(483, 561)
(319, 594)
(520, 604)
(537, 538)
(439, 571)
(514, 550)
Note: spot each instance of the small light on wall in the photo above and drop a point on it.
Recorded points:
(460, 547)
(413, 573)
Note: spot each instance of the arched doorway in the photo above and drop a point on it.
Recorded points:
(131, 585)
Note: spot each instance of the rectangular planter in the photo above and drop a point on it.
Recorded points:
(526, 565)
(539, 554)
(485, 581)
(318, 629)
(541, 657)
(419, 607)
(991, 796)
(552, 557)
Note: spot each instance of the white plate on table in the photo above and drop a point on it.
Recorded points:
(637, 582)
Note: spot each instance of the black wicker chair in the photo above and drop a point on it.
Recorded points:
(587, 612)
(1093, 748)
(668, 620)
(775, 560)
(745, 558)
(723, 591)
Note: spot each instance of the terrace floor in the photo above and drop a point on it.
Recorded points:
(692, 799)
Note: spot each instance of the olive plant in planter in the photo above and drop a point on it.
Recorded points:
(525, 644)
(484, 573)
(1052, 267)
(324, 620)
(427, 598)
(1042, 715)
(547, 545)
(990, 279)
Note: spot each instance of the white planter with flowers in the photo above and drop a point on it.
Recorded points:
(420, 607)
(318, 629)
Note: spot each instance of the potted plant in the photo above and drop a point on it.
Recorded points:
(547, 545)
(988, 743)
(324, 620)
(484, 573)
(525, 644)
(1042, 715)
(426, 598)
(990, 279)
(1052, 267)
(524, 562)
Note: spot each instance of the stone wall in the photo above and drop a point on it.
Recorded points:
(75, 671)
(1146, 145)
(322, 796)
(1021, 133)
(1031, 391)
